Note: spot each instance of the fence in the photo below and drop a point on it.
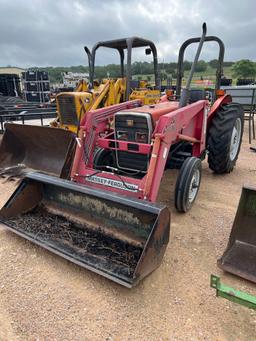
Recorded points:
(23, 117)
(246, 96)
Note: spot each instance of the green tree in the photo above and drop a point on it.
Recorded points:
(228, 64)
(201, 66)
(213, 63)
(244, 68)
(163, 75)
(170, 69)
(136, 68)
(187, 65)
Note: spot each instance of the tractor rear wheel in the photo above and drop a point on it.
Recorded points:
(188, 183)
(225, 137)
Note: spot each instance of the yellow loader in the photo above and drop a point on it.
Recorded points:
(72, 106)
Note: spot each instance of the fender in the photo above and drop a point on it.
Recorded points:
(225, 99)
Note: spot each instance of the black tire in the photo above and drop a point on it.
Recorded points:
(191, 167)
(220, 136)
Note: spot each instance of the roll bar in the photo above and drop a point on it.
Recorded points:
(89, 56)
(120, 45)
(183, 47)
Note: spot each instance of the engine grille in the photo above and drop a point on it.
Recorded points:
(67, 108)
(131, 127)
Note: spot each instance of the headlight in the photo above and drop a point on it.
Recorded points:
(122, 135)
(141, 137)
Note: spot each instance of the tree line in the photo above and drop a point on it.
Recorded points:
(240, 69)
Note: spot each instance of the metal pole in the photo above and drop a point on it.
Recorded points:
(128, 68)
(2, 125)
(185, 93)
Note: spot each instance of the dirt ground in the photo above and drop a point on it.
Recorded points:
(44, 297)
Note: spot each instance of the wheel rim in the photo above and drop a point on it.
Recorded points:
(194, 186)
(235, 139)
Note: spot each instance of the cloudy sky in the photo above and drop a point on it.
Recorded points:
(47, 32)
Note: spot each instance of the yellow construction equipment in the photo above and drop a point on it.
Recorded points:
(72, 106)
(147, 96)
(82, 86)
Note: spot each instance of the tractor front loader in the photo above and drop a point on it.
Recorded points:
(106, 218)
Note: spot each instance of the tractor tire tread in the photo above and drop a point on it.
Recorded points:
(219, 136)
(183, 181)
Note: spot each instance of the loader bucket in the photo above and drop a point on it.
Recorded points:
(36, 148)
(112, 235)
(240, 255)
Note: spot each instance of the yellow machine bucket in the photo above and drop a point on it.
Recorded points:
(27, 147)
(240, 255)
(112, 235)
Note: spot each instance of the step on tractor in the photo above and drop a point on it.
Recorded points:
(106, 217)
(26, 147)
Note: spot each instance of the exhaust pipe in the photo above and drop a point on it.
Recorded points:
(112, 235)
(185, 92)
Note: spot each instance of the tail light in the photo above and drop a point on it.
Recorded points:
(169, 93)
(220, 92)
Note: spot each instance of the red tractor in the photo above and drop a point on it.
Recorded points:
(127, 152)
(106, 219)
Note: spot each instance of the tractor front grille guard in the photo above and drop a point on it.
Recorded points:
(170, 129)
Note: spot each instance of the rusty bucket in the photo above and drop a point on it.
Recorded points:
(112, 235)
(27, 147)
(240, 255)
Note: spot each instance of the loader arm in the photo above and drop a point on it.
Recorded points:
(90, 125)
(120, 88)
(182, 124)
(82, 86)
(102, 94)
(110, 98)
(115, 92)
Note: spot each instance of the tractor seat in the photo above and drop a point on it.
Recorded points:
(196, 95)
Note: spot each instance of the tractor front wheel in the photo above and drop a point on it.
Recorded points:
(188, 183)
(225, 137)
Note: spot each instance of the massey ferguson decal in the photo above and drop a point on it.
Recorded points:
(112, 183)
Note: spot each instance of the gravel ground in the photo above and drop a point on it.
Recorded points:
(44, 297)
